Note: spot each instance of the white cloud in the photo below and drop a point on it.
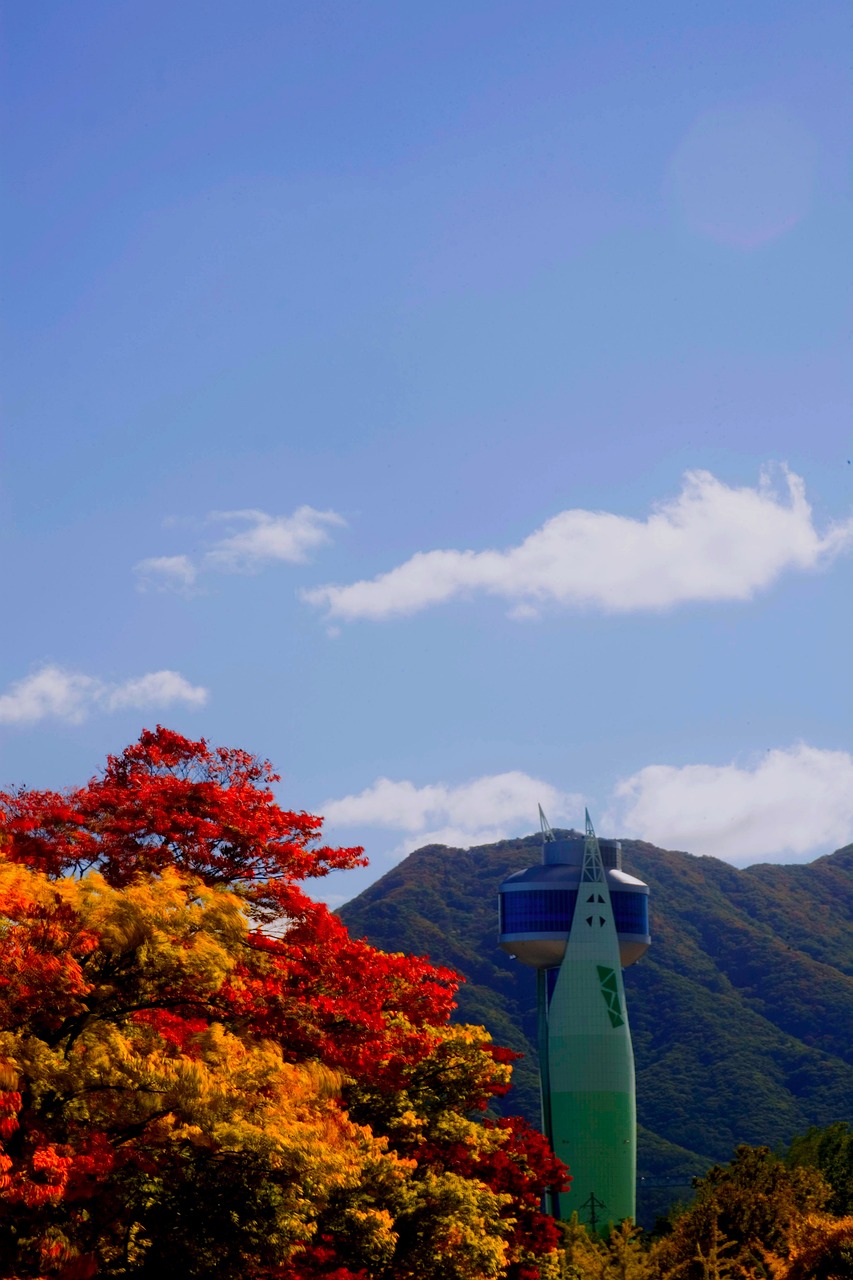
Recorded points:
(712, 542)
(157, 689)
(489, 808)
(789, 804)
(267, 539)
(254, 540)
(166, 573)
(50, 693)
(53, 693)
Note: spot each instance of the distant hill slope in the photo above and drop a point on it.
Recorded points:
(741, 1012)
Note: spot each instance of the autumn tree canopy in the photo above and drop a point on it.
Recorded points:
(203, 1074)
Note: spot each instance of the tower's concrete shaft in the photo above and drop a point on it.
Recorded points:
(589, 1108)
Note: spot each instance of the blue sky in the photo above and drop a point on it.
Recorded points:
(301, 296)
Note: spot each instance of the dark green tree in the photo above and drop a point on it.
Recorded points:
(830, 1151)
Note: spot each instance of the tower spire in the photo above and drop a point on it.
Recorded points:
(547, 831)
(593, 866)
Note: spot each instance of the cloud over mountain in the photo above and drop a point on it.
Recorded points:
(792, 804)
(476, 812)
(788, 804)
(711, 542)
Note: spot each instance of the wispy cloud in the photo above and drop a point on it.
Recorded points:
(261, 539)
(53, 693)
(489, 808)
(712, 542)
(788, 804)
(252, 540)
(166, 573)
(157, 689)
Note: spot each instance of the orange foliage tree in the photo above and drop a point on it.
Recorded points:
(203, 1074)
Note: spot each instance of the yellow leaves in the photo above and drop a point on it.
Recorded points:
(234, 1096)
(465, 1058)
(176, 925)
(172, 922)
(21, 890)
(237, 1099)
(450, 1126)
(369, 1229)
(408, 1127)
(453, 1221)
(20, 885)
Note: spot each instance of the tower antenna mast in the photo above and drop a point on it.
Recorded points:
(547, 830)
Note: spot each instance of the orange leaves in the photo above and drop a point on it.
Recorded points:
(40, 1179)
(41, 949)
(10, 1105)
(46, 1173)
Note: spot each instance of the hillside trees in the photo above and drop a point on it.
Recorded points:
(830, 1151)
(202, 1073)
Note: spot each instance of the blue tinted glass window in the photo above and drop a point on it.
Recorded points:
(631, 912)
(538, 911)
(550, 911)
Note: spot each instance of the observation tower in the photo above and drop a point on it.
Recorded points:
(578, 919)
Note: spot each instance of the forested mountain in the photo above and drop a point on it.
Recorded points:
(741, 1012)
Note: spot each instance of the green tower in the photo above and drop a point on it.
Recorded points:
(578, 919)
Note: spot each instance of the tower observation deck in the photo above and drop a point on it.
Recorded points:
(579, 919)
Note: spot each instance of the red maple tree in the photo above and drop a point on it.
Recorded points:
(200, 1068)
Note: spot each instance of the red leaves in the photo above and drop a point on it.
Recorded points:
(10, 1105)
(47, 831)
(170, 801)
(178, 1031)
(45, 1172)
(41, 975)
(317, 1262)
(61, 1260)
(40, 1179)
(324, 994)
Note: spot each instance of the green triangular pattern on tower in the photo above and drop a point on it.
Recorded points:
(610, 991)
